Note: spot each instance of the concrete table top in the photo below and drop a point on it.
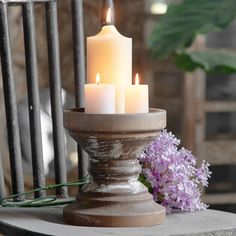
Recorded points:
(48, 221)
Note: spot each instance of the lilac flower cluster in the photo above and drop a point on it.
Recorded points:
(172, 173)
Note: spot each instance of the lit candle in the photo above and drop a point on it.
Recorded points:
(99, 98)
(136, 98)
(110, 53)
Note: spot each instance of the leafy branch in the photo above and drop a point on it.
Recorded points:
(176, 31)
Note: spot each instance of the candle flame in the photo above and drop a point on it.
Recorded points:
(108, 20)
(98, 78)
(137, 79)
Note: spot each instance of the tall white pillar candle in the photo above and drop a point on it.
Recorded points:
(110, 53)
(99, 98)
(136, 98)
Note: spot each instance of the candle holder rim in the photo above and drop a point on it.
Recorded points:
(75, 120)
(81, 111)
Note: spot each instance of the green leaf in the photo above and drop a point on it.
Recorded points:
(144, 181)
(178, 28)
(212, 61)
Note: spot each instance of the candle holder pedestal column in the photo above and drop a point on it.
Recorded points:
(114, 197)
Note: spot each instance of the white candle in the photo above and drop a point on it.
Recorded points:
(136, 98)
(99, 98)
(110, 53)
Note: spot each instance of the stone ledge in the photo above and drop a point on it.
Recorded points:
(48, 221)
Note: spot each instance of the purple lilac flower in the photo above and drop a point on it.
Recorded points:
(172, 173)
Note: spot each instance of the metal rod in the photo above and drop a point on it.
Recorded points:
(79, 51)
(79, 70)
(10, 105)
(2, 182)
(56, 99)
(19, 2)
(33, 97)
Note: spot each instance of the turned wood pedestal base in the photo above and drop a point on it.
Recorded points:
(121, 211)
(114, 197)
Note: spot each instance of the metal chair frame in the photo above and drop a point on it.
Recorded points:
(33, 92)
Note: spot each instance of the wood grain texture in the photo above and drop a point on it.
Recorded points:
(219, 198)
(219, 152)
(114, 197)
(220, 106)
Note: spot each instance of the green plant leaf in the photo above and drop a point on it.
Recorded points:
(144, 181)
(178, 28)
(212, 61)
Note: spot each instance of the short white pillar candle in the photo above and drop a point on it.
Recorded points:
(137, 98)
(100, 98)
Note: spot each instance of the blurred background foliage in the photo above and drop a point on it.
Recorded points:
(175, 32)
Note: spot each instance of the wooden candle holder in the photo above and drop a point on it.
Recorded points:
(114, 197)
